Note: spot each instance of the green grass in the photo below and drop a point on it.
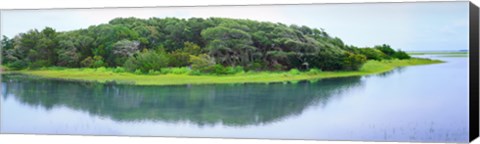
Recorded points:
(107, 75)
(442, 54)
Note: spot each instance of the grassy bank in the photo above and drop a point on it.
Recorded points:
(103, 75)
(442, 53)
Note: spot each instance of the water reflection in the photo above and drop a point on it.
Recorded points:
(203, 105)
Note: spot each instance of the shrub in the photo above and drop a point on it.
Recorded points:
(195, 72)
(256, 66)
(239, 69)
(220, 70)
(39, 63)
(277, 67)
(101, 69)
(175, 70)
(138, 71)
(203, 63)
(119, 70)
(401, 55)
(180, 70)
(372, 54)
(153, 72)
(179, 59)
(386, 49)
(18, 65)
(147, 60)
(314, 71)
(98, 62)
(87, 62)
(353, 61)
(294, 71)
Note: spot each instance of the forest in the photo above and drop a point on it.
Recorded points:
(211, 45)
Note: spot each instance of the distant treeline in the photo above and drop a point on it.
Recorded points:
(206, 45)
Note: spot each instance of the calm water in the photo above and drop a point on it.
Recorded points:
(417, 103)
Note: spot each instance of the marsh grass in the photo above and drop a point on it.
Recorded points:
(181, 76)
(442, 54)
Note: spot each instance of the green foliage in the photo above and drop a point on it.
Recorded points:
(353, 61)
(372, 53)
(98, 62)
(124, 49)
(179, 59)
(155, 43)
(222, 70)
(386, 49)
(202, 63)
(314, 71)
(6, 45)
(401, 55)
(294, 71)
(191, 48)
(119, 70)
(138, 71)
(18, 65)
(228, 45)
(176, 70)
(39, 63)
(101, 69)
(146, 61)
(87, 62)
(255, 66)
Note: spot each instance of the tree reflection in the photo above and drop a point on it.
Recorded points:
(232, 105)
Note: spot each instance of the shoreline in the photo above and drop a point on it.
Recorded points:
(75, 74)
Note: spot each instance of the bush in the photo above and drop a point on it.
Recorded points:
(179, 59)
(195, 72)
(372, 54)
(153, 72)
(18, 65)
(203, 63)
(294, 71)
(101, 69)
(147, 60)
(138, 71)
(353, 61)
(386, 49)
(278, 67)
(401, 55)
(314, 71)
(87, 62)
(119, 70)
(98, 62)
(256, 66)
(39, 63)
(220, 70)
(180, 70)
(239, 69)
(175, 70)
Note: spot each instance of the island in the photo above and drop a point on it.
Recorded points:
(173, 51)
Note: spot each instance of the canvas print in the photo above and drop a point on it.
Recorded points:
(361, 71)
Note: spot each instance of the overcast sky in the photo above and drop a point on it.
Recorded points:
(406, 26)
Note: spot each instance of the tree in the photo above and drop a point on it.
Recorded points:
(401, 55)
(202, 63)
(124, 49)
(353, 61)
(229, 46)
(68, 55)
(372, 54)
(135, 43)
(6, 47)
(386, 49)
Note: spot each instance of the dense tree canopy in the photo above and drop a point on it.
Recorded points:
(151, 44)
